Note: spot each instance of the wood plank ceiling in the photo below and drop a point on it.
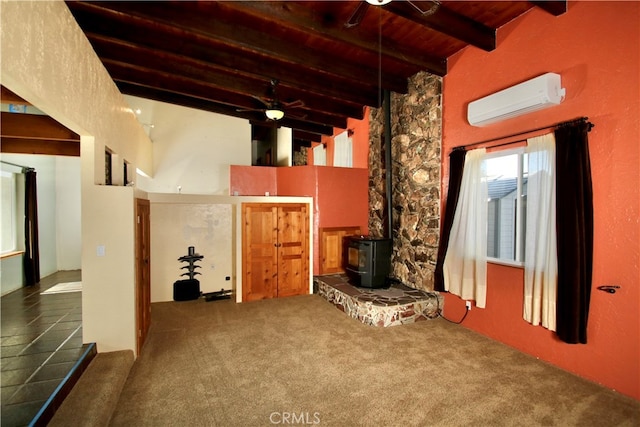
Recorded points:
(23, 133)
(330, 58)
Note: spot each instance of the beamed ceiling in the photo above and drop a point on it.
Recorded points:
(330, 58)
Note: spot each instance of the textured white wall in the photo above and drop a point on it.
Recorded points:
(176, 226)
(47, 60)
(68, 213)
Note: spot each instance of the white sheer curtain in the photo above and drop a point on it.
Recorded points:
(541, 263)
(343, 151)
(465, 264)
(319, 155)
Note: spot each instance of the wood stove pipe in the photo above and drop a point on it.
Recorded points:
(387, 161)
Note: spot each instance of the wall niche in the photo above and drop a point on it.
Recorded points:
(416, 139)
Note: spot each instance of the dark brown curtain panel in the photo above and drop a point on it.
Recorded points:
(574, 227)
(32, 247)
(456, 166)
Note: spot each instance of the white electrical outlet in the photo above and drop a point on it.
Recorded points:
(468, 304)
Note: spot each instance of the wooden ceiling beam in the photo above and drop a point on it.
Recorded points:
(298, 16)
(196, 25)
(39, 146)
(446, 21)
(35, 126)
(307, 136)
(213, 61)
(206, 105)
(115, 52)
(162, 81)
(9, 97)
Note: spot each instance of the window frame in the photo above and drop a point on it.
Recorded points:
(13, 211)
(519, 226)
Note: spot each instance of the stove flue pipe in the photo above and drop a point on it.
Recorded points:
(387, 162)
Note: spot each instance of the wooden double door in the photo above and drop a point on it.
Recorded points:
(275, 250)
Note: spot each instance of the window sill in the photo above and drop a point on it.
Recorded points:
(11, 254)
(506, 263)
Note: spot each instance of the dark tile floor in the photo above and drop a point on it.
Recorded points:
(41, 344)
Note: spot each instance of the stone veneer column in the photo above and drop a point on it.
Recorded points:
(416, 133)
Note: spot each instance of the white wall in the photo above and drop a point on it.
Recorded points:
(193, 149)
(108, 291)
(180, 222)
(284, 146)
(68, 214)
(11, 274)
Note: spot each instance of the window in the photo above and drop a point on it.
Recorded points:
(107, 167)
(343, 150)
(8, 213)
(506, 175)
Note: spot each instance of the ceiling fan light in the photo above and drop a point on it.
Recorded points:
(378, 2)
(274, 114)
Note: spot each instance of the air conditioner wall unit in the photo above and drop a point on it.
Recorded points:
(540, 92)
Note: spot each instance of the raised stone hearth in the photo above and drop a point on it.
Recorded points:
(396, 305)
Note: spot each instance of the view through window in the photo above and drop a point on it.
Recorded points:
(506, 175)
(8, 212)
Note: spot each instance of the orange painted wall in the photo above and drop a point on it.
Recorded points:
(360, 139)
(343, 195)
(595, 47)
(340, 195)
(296, 181)
(342, 200)
(253, 180)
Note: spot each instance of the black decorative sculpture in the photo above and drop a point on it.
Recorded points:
(191, 259)
(188, 289)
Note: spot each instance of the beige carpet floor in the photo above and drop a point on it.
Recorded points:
(301, 361)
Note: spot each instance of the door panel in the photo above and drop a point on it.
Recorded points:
(275, 250)
(293, 277)
(259, 252)
(332, 243)
(143, 272)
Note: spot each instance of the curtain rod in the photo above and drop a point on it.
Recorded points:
(24, 168)
(559, 124)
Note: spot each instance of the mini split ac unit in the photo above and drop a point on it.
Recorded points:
(541, 92)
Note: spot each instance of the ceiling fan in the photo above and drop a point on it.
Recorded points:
(361, 10)
(274, 109)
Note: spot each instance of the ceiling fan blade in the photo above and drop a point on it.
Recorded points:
(245, 110)
(262, 100)
(294, 104)
(357, 15)
(297, 116)
(430, 11)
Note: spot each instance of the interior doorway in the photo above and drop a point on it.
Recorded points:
(263, 145)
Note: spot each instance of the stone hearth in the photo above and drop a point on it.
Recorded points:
(396, 305)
